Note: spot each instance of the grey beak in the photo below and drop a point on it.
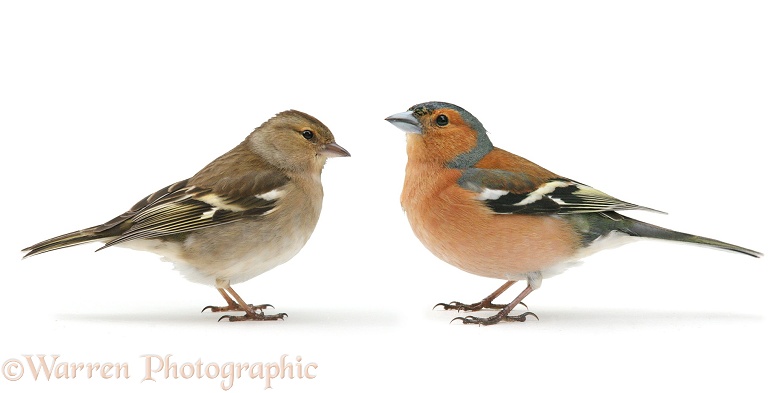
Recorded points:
(406, 122)
(334, 150)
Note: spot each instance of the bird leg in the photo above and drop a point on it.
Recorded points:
(485, 303)
(253, 313)
(233, 306)
(504, 313)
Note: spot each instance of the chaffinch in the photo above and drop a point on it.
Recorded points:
(251, 209)
(495, 214)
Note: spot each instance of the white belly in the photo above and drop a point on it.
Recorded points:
(611, 240)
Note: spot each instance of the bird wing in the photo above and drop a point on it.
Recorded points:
(507, 192)
(184, 207)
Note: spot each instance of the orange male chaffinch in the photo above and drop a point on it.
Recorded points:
(248, 211)
(495, 214)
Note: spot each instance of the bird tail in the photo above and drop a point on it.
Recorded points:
(638, 228)
(67, 240)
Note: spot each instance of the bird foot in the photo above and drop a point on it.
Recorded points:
(458, 306)
(237, 307)
(256, 316)
(494, 319)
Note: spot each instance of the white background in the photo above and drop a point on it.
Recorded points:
(668, 104)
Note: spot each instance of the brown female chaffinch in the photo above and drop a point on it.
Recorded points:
(245, 213)
(495, 214)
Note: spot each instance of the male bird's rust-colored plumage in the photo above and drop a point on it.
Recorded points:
(495, 214)
(246, 212)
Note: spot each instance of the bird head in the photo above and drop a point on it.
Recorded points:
(295, 141)
(442, 133)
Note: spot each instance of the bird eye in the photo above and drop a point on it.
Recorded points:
(442, 120)
(307, 134)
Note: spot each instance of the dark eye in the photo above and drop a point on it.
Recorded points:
(307, 134)
(441, 120)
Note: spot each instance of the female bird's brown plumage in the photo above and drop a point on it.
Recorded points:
(246, 212)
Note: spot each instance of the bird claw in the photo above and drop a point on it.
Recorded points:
(445, 306)
(253, 317)
(462, 319)
(458, 306)
(521, 317)
(469, 319)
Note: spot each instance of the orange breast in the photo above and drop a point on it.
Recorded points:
(460, 230)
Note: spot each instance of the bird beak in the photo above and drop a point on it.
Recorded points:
(406, 122)
(334, 150)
